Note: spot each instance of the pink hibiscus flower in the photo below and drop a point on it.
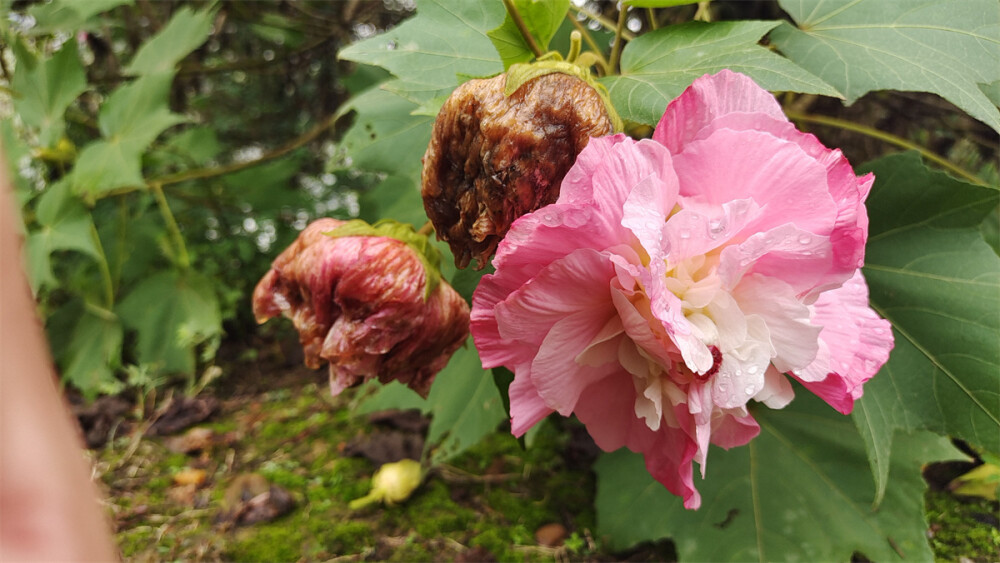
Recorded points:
(676, 279)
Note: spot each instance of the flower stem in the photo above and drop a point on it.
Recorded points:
(427, 229)
(651, 16)
(616, 49)
(888, 138)
(183, 260)
(601, 61)
(522, 27)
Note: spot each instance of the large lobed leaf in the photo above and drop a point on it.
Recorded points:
(934, 277)
(542, 19)
(132, 117)
(463, 403)
(657, 66)
(445, 40)
(64, 223)
(801, 490)
(185, 31)
(948, 47)
(173, 312)
(45, 88)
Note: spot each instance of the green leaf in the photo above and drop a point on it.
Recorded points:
(396, 197)
(173, 313)
(194, 147)
(137, 113)
(68, 14)
(931, 274)
(943, 46)
(185, 32)
(65, 224)
(541, 17)
(44, 89)
(106, 165)
(385, 137)
(464, 403)
(658, 66)
(94, 353)
(801, 490)
(132, 117)
(992, 92)
(445, 39)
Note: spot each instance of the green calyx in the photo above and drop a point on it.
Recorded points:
(429, 256)
(521, 73)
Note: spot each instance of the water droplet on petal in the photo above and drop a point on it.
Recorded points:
(685, 233)
(807, 252)
(879, 330)
(739, 372)
(550, 220)
(804, 239)
(749, 390)
(752, 370)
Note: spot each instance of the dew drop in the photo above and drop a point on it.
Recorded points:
(807, 252)
(749, 390)
(715, 228)
(550, 220)
(804, 239)
(879, 330)
(685, 234)
(739, 372)
(752, 370)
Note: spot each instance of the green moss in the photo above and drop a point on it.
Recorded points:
(343, 537)
(955, 532)
(268, 542)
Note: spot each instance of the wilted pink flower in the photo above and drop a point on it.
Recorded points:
(359, 303)
(677, 278)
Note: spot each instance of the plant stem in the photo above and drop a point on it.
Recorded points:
(888, 138)
(426, 229)
(616, 49)
(109, 286)
(202, 173)
(522, 27)
(651, 13)
(594, 48)
(608, 24)
(183, 260)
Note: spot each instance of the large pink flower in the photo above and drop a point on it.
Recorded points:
(677, 278)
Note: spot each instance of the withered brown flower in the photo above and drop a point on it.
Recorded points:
(366, 304)
(493, 158)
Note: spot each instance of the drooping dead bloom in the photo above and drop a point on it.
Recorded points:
(494, 157)
(372, 306)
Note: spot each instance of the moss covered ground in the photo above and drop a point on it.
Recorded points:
(487, 504)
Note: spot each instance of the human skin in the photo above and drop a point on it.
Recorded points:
(49, 508)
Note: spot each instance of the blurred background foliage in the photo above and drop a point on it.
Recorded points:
(163, 152)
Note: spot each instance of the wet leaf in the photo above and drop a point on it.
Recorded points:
(943, 46)
(933, 276)
(418, 51)
(657, 66)
(805, 477)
